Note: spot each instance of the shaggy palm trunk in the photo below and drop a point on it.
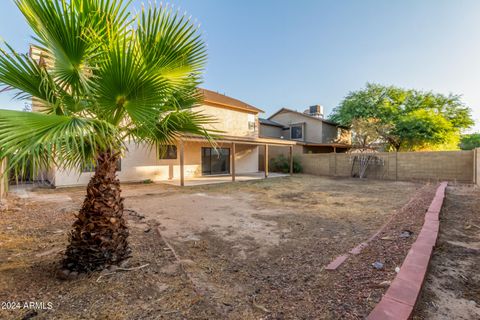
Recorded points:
(99, 235)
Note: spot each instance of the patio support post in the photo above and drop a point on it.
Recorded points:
(182, 164)
(291, 160)
(233, 161)
(266, 160)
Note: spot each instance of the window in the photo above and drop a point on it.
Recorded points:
(168, 152)
(251, 122)
(91, 167)
(296, 132)
(215, 161)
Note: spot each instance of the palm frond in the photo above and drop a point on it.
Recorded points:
(70, 34)
(28, 78)
(31, 79)
(39, 141)
(124, 87)
(171, 44)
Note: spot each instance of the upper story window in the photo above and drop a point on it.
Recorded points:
(252, 123)
(296, 132)
(168, 152)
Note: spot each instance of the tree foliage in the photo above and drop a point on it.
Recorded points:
(366, 138)
(365, 134)
(407, 119)
(282, 164)
(470, 141)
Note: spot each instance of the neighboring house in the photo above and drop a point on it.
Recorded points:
(311, 131)
(272, 129)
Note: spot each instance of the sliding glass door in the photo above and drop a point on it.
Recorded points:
(215, 161)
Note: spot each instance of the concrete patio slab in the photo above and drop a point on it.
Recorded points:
(223, 179)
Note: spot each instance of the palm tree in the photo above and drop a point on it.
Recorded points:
(104, 77)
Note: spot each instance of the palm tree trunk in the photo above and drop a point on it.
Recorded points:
(99, 235)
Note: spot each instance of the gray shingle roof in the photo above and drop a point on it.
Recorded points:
(271, 123)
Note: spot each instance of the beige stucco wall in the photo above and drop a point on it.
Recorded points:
(271, 131)
(141, 163)
(246, 159)
(231, 122)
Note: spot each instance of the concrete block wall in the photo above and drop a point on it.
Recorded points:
(442, 165)
(476, 166)
(340, 164)
(319, 163)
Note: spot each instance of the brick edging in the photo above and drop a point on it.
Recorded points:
(399, 300)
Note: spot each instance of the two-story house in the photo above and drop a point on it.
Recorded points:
(313, 133)
(235, 152)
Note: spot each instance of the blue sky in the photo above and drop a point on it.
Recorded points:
(294, 54)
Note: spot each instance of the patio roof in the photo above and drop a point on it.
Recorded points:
(333, 144)
(242, 140)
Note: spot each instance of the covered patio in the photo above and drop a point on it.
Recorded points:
(233, 143)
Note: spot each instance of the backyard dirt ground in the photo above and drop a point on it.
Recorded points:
(247, 250)
(452, 287)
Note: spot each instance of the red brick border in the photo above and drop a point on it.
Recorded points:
(400, 298)
(337, 262)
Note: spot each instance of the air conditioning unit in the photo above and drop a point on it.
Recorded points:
(315, 111)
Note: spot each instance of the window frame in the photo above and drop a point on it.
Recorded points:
(302, 128)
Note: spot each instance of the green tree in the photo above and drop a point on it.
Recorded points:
(470, 141)
(421, 129)
(407, 119)
(104, 77)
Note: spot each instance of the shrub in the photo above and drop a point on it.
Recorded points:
(282, 164)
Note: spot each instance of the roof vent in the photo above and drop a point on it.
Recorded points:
(315, 111)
